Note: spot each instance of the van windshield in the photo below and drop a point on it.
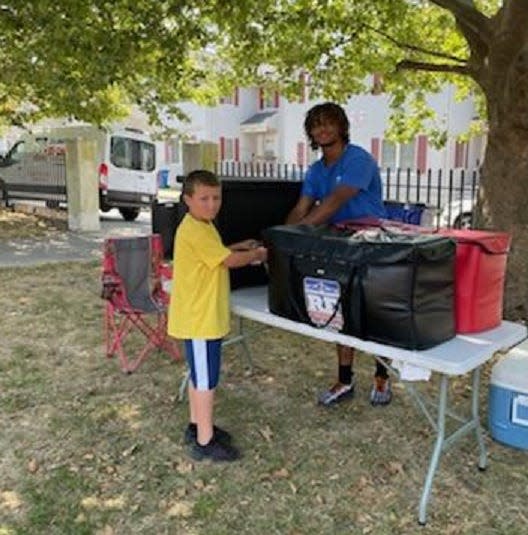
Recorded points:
(132, 154)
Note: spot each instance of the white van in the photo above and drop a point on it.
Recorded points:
(126, 164)
(127, 172)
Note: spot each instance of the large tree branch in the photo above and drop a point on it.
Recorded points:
(415, 48)
(472, 22)
(407, 64)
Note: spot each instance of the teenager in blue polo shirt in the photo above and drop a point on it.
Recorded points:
(344, 184)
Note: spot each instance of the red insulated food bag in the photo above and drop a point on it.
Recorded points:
(480, 268)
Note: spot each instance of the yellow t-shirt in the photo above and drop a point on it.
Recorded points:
(199, 303)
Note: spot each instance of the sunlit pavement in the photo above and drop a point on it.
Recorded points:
(79, 246)
(67, 246)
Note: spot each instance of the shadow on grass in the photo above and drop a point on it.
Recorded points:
(87, 449)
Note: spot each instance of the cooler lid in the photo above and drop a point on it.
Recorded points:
(491, 242)
(512, 371)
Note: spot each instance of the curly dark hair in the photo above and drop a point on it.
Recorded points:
(328, 111)
(199, 176)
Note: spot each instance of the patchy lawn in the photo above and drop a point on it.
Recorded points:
(89, 450)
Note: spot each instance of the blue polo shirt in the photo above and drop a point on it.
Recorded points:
(355, 168)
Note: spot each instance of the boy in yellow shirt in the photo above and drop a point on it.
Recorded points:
(199, 307)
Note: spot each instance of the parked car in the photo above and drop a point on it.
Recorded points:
(457, 214)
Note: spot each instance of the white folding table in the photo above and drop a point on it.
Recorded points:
(458, 356)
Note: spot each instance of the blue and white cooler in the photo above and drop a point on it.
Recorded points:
(508, 398)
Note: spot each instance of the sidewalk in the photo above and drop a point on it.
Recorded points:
(66, 246)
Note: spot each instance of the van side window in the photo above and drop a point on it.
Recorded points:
(132, 154)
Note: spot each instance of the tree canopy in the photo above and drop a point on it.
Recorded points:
(94, 59)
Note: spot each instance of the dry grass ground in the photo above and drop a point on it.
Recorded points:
(88, 450)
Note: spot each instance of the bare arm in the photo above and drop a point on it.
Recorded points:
(244, 258)
(324, 211)
(300, 210)
(243, 245)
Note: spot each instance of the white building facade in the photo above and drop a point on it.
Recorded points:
(251, 126)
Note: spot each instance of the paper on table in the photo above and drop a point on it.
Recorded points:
(409, 372)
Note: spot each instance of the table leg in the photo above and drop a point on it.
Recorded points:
(483, 458)
(437, 451)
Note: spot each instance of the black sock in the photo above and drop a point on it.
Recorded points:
(381, 371)
(345, 374)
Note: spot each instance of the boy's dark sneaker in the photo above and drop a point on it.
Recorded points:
(381, 393)
(337, 393)
(191, 434)
(215, 451)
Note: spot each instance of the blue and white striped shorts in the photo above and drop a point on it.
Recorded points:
(204, 358)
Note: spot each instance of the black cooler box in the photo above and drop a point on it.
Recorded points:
(396, 289)
(248, 207)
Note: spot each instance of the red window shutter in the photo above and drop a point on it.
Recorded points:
(457, 155)
(302, 81)
(237, 149)
(461, 154)
(276, 99)
(222, 148)
(375, 148)
(237, 96)
(300, 153)
(421, 156)
(261, 98)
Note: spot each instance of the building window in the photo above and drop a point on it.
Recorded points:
(233, 98)
(268, 99)
(229, 149)
(394, 155)
(388, 154)
(173, 150)
(229, 153)
(407, 152)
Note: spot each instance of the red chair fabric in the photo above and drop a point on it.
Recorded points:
(132, 279)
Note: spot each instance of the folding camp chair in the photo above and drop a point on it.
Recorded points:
(135, 298)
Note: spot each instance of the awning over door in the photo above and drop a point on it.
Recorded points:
(260, 123)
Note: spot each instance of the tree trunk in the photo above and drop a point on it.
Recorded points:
(503, 205)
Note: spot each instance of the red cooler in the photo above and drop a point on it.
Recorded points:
(479, 279)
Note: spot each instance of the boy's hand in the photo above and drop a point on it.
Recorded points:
(262, 255)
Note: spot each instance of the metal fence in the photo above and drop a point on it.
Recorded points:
(38, 177)
(449, 198)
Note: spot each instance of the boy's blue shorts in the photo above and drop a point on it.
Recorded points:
(203, 358)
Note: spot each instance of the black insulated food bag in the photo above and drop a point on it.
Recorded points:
(392, 288)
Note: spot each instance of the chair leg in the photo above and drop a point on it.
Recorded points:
(156, 335)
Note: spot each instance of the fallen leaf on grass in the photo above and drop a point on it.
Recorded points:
(394, 467)
(32, 465)
(114, 503)
(90, 502)
(10, 500)
(180, 509)
(184, 467)
(281, 473)
(267, 433)
(107, 530)
(93, 502)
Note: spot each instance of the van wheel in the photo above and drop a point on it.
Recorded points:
(129, 214)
